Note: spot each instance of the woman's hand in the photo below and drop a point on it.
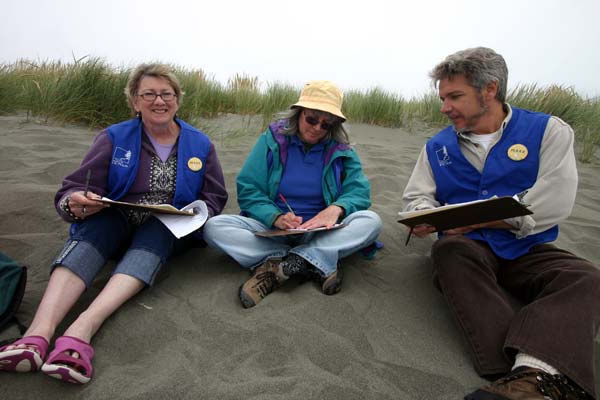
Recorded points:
(287, 221)
(82, 206)
(327, 217)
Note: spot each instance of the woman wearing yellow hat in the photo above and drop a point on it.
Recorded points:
(301, 174)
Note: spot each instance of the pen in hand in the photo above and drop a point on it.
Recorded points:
(409, 235)
(286, 203)
(87, 182)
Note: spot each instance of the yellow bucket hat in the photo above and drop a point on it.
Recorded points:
(322, 96)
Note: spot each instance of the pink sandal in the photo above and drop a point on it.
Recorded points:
(62, 365)
(24, 359)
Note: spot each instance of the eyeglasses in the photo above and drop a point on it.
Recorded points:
(314, 122)
(151, 96)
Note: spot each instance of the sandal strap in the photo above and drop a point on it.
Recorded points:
(39, 342)
(67, 344)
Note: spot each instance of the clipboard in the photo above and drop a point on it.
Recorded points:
(287, 232)
(156, 208)
(464, 214)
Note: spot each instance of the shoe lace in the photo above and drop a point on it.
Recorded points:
(265, 282)
(552, 387)
(559, 385)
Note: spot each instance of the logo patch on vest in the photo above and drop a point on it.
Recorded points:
(121, 157)
(195, 164)
(443, 157)
(517, 152)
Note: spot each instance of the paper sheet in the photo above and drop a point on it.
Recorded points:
(154, 208)
(181, 225)
(286, 232)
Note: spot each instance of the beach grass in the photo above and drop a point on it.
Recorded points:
(582, 114)
(374, 106)
(89, 91)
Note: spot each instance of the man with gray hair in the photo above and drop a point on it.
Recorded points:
(543, 347)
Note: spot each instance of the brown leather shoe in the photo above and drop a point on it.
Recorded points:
(333, 283)
(264, 280)
(529, 384)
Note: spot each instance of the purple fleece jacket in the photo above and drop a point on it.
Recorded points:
(98, 160)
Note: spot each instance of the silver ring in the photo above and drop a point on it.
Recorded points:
(83, 210)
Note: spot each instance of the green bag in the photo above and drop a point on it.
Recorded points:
(13, 278)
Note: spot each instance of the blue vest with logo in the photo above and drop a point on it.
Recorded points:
(457, 180)
(126, 138)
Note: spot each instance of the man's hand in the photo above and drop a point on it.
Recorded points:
(499, 224)
(423, 230)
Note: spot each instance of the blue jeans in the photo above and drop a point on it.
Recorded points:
(108, 234)
(234, 235)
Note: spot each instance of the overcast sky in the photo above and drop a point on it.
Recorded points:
(357, 44)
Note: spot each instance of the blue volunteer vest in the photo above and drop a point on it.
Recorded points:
(192, 150)
(457, 180)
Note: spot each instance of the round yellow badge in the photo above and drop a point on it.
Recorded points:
(195, 164)
(517, 152)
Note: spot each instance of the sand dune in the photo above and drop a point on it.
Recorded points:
(386, 335)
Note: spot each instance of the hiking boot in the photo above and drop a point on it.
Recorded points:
(264, 280)
(333, 283)
(526, 383)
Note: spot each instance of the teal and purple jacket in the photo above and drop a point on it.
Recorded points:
(343, 181)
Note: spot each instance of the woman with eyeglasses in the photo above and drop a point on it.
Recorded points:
(154, 158)
(302, 174)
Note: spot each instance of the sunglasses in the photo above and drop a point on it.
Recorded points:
(315, 121)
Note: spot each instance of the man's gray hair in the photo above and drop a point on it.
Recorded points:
(479, 65)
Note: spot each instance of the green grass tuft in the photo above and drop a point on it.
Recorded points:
(90, 92)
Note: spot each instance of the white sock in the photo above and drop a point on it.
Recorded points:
(525, 360)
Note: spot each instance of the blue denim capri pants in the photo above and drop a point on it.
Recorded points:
(107, 234)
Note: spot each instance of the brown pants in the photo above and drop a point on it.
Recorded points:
(560, 294)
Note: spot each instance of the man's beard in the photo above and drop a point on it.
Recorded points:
(472, 121)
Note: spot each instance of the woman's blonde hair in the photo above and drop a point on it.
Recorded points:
(155, 70)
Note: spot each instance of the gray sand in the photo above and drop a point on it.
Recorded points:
(386, 335)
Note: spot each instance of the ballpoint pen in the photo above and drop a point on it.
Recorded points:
(85, 192)
(87, 182)
(286, 203)
(409, 234)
